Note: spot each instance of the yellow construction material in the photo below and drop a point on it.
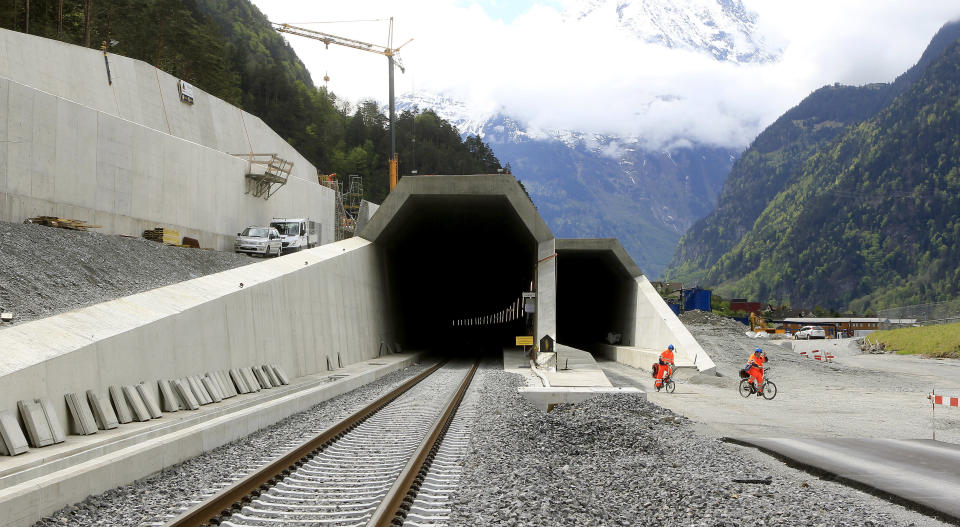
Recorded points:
(62, 223)
(162, 235)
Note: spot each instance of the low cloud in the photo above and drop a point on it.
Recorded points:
(557, 72)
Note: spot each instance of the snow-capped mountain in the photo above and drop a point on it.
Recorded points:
(593, 184)
(723, 28)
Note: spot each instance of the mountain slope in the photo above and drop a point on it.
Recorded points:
(775, 158)
(870, 220)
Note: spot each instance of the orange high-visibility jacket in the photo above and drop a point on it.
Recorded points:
(667, 356)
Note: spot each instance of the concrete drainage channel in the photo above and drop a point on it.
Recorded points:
(365, 469)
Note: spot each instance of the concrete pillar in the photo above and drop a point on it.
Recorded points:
(546, 315)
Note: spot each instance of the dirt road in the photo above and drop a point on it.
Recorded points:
(857, 395)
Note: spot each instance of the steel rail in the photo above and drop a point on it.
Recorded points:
(222, 504)
(391, 506)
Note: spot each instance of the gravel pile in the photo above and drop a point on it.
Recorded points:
(45, 270)
(616, 460)
(708, 318)
(157, 497)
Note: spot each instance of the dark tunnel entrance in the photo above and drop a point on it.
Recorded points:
(596, 293)
(450, 259)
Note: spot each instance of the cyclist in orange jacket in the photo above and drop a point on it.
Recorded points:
(755, 368)
(664, 366)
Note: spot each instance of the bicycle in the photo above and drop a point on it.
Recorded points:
(767, 388)
(666, 384)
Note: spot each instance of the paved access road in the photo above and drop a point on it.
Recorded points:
(925, 472)
(856, 395)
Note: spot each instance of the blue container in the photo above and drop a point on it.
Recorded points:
(675, 308)
(696, 298)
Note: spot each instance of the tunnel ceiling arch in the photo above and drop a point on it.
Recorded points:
(437, 189)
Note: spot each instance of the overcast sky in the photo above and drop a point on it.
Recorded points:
(554, 72)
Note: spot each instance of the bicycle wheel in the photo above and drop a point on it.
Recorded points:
(745, 388)
(670, 386)
(769, 390)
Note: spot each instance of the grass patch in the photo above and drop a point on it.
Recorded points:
(941, 341)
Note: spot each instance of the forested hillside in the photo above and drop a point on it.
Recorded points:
(775, 159)
(227, 48)
(848, 200)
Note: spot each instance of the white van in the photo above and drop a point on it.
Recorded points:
(297, 233)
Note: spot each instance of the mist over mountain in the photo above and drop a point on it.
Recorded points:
(647, 190)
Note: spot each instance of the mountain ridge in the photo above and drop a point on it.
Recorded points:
(889, 165)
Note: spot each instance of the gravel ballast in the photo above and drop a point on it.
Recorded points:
(158, 497)
(620, 460)
(46, 270)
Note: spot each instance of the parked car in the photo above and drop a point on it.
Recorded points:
(297, 234)
(810, 332)
(264, 241)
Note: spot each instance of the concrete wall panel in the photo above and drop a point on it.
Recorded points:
(78, 147)
(658, 326)
(4, 143)
(201, 325)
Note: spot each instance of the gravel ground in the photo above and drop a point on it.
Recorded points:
(525, 467)
(45, 270)
(156, 497)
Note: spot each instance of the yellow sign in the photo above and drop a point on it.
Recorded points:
(525, 341)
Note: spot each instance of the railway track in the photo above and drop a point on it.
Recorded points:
(373, 468)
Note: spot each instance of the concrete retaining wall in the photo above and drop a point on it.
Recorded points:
(656, 327)
(295, 311)
(131, 156)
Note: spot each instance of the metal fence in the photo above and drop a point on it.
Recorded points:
(923, 314)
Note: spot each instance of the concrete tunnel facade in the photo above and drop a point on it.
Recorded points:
(458, 247)
(458, 253)
(440, 248)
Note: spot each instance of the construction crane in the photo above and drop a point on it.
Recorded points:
(389, 51)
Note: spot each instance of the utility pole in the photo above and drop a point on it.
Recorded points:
(389, 51)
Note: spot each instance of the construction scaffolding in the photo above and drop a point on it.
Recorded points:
(266, 173)
(347, 204)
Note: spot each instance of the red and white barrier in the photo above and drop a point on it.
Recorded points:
(945, 400)
(816, 355)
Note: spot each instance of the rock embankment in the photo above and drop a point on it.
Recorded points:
(45, 270)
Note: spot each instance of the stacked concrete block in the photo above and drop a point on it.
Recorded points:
(167, 397)
(124, 414)
(281, 375)
(239, 381)
(229, 389)
(198, 392)
(204, 393)
(185, 395)
(261, 377)
(103, 413)
(140, 411)
(80, 414)
(251, 380)
(55, 429)
(12, 441)
(212, 390)
(271, 375)
(38, 430)
(152, 407)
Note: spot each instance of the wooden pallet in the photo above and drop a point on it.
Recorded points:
(162, 235)
(62, 223)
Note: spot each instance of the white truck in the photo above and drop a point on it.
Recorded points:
(297, 234)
